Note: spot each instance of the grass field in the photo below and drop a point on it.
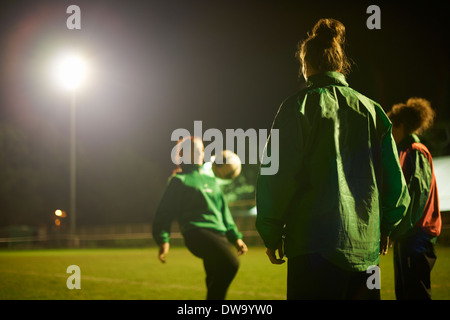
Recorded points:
(138, 274)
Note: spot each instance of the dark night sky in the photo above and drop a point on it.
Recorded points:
(159, 65)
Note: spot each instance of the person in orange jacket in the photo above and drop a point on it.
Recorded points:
(414, 237)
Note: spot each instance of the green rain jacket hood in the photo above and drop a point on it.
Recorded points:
(339, 181)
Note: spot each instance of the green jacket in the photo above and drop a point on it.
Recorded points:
(196, 201)
(339, 181)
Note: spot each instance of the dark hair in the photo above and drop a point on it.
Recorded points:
(179, 147)
(416, 115)
(323, 50)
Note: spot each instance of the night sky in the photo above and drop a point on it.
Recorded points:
(156, 66)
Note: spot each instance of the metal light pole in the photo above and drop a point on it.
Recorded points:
(73, 164)
(71, 74)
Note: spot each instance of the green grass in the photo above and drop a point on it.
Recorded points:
(138, 274)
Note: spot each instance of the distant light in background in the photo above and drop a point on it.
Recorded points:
(60, 213)
(70, 71)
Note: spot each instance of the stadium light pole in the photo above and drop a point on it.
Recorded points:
(71, 75)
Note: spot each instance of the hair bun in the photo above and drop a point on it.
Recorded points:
(329, 30)
(323, 50)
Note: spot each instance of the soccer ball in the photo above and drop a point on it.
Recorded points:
(230, 167)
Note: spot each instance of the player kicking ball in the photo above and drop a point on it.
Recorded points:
(196, 201)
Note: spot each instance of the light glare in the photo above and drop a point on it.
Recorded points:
(71, 72)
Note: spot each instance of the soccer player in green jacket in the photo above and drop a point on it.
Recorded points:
(414, 237)
(196, 201)
(339, 184)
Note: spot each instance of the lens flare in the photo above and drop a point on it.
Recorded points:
(70, 72)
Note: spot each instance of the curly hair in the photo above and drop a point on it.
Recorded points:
(416, 115)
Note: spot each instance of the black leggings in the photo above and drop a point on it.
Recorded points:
(312, 277)
(220, 263)
(414, 258)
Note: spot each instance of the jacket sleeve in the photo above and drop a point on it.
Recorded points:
(232, 232)
(417, 172)
(275, 191)
(167, 211)
(394, 196)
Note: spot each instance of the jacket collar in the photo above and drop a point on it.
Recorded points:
(187, 168)
(407, 141)
(326, 79)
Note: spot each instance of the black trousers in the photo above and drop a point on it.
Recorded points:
(414, 258)
(312, 277)
(220, 263)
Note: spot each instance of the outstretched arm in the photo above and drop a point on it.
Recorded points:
(166, 212)
(163, 250)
